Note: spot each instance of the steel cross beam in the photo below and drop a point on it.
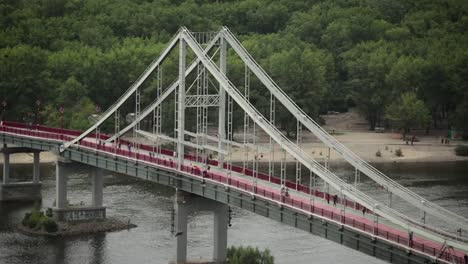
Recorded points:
(234, 143)
(303, 157)
(346, 153)
(210, 100)
(152, 136)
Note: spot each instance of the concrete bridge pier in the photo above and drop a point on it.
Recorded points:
(65, 212)
(185, 204)
(20, 191)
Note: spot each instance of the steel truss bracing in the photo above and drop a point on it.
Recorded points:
(246, 119)
(271, 165)
(208, 100)
(230, 93)
(199, 108)
(157, 113)
(298, 164)
(222, 107)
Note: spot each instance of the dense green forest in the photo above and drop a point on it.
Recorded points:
(327, 55)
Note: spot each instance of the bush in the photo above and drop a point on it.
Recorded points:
(50, 225)
(25, 221)
(33, 219)
(37, 220)
(378, 154)
(49, 212)
(249, 255)
(461, 150)
(399, 153)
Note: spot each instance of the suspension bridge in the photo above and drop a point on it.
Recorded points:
(203, 170)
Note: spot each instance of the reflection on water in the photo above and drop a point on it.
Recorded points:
(149, 205)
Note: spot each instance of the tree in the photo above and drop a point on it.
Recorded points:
(368, 64)
(408, 112)
(249, 255)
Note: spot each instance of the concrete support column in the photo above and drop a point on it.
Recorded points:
(98, 181)
(220, 233)
(181, 212)
(61, 178)
(6, 167)
(186, 203)
(37, 167)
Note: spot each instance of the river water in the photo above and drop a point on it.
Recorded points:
(148, 205)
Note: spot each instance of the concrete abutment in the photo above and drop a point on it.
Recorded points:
(62, 210)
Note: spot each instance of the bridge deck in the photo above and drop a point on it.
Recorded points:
(351, 217)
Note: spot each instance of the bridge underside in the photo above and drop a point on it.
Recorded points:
(20, 191)
(316, 225)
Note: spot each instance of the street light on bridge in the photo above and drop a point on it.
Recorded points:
(4, 104)
(61, 110)
(38, 105)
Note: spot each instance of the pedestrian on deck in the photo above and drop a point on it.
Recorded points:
(335, 197)
(410, 239)
(327, 196)
(363, 211)
(129, 147)
(466, 259)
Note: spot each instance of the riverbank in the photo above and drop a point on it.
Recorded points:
(110, 224)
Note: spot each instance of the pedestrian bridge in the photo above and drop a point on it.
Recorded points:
(206, 178)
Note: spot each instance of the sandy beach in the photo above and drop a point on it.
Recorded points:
(366, 145)
(352, 131)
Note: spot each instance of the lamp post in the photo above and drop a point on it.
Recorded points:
(38, 106)
(98, 110)
(4, 104)
(61, 110)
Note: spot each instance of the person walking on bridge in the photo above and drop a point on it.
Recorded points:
(335, 197)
